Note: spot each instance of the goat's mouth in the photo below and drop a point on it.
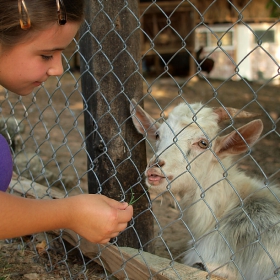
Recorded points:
(154, 177)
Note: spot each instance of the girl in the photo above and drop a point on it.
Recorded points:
(33, 35)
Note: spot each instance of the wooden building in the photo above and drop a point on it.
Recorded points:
(241, 36)
(248, 34)
(172, 32)
(167, 30)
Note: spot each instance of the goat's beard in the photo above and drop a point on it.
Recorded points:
(165, 186)
(164, 194)
(158, 189)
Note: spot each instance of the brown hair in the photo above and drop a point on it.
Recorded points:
(42, 14)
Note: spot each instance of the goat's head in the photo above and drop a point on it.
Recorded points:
(187, 145)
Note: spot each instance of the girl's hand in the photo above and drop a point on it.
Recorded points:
(98, 218)
(95, 217)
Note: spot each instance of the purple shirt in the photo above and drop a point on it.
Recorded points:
(6, 164)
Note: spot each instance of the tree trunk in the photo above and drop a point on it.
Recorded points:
(110, 67)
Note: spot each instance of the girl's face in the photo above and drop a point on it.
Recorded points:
(27, 65)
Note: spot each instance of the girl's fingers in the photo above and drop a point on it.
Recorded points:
(116, 204)
(121, 227)
(125, 215)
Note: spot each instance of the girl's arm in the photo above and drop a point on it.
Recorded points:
(95, 217)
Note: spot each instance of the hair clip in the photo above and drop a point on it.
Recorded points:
(24, 18)
(61, 12)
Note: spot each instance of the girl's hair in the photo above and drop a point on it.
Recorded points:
(42, 14)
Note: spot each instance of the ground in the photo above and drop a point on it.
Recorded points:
(17, 262)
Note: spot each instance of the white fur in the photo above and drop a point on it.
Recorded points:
(234, 218)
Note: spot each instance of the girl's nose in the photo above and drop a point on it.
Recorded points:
(56, 68)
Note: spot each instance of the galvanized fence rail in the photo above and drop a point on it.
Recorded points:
(75, 133)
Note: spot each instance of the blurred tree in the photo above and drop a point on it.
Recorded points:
(274, 6)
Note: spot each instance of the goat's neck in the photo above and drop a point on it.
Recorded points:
(213, 199)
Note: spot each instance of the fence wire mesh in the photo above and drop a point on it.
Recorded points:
(220, 53)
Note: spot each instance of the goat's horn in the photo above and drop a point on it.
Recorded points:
(227, 112)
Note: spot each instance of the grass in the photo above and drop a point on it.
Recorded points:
(133, 200)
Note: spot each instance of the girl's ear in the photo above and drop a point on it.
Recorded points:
(142, 121)
(240, 140)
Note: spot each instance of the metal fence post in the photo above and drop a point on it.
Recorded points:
(110, 60)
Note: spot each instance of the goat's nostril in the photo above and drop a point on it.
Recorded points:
(160, 163)
(157, 162)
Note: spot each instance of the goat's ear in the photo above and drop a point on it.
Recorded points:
(142, 121)
(234, 144)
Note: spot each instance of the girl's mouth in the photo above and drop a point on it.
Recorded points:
(37, 83)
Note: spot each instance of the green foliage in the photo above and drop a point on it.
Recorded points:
(274, 7)
(133, 200)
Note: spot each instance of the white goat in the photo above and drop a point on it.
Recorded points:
(233, 218)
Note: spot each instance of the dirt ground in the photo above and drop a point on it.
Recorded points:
(17, 262)
(20, 260)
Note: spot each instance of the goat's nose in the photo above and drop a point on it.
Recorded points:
(158, 162)
(161, 163)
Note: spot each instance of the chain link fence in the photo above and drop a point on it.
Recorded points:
(75, 133)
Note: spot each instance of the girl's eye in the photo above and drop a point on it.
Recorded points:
(47, 57)
(203, 144)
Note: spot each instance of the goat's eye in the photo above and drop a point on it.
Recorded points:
(203, 144)
(157, 135)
